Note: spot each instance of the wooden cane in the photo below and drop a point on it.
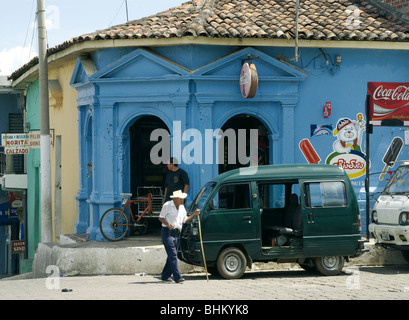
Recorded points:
(201, 245)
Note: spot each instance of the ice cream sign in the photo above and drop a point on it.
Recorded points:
(347, 151)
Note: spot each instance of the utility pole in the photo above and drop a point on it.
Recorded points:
(126, 6)
(46, 211)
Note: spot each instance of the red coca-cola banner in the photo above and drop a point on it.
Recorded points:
(389, 103)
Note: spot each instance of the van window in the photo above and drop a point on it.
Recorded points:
(325, 194)
(231, 196)
(202, 196)
(274, 195)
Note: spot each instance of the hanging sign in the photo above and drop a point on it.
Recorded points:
(18, 246)
(21, 143)
(389, 103)
(35, 138)
(248, 80)
(15, 143)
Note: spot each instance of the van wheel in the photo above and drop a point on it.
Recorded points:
(231, 263)
(330, 265)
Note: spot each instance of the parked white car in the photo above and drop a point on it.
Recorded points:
(390, 214)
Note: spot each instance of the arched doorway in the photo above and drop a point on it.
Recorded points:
(259, 153)
(143, 171)
(146, 176)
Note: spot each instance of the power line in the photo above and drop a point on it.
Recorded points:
(28, 28)
(32, 38)
(122, 4)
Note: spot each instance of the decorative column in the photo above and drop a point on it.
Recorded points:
(209, 167)
(105, 174)
(288, 129)
(82, 206)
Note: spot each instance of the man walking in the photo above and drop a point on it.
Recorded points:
(172, 216)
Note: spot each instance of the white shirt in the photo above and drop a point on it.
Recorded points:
(172, 215)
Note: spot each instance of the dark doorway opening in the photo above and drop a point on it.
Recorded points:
(230, 156)
(146, 177)
(143, 171)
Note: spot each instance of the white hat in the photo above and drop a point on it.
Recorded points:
(178, 194)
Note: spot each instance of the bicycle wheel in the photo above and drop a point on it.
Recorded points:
(114, 225)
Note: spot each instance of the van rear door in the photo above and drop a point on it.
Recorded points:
(329, 226)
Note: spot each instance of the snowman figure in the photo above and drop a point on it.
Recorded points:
(349, 135)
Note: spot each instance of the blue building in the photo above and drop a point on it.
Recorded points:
(12, 169)
(181, 72)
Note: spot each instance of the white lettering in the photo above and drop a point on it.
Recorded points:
(177, 310)
(226, 309)
(193, 151)
(53, 280)
(398, 94)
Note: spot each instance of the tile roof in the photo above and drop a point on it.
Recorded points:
(351, 20)
(318, 20)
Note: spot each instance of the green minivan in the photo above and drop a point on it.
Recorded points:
(305, 214)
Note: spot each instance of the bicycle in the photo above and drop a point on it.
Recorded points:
(114, 223)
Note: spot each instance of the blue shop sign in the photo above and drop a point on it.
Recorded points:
(7, 214)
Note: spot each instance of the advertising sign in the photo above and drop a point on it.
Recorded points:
(18, 246)
(35, 138)
(248, 80)
(15, 143)
(389, 103)
(347, 151)
(347, 148)
(21, 143)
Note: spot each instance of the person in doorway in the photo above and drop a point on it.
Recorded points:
(176, 179)
(172, 216)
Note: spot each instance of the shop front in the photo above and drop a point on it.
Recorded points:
(143, 107)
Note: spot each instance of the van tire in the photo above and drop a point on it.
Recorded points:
(330, 265)
(231, 263)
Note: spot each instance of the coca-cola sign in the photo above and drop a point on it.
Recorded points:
(389, 103)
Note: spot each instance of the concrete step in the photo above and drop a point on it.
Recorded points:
(74, 255)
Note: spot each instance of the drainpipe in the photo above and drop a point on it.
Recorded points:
(46, 213)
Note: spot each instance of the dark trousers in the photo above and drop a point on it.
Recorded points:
(170, 239)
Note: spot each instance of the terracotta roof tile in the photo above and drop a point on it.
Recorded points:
(273, 19)
(319, 19)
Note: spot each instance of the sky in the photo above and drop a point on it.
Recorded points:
(65, 19)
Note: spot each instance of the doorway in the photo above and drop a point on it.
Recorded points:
(145, 176)
(143, 172)
(231, 154)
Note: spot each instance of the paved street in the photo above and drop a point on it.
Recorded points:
(366, 283)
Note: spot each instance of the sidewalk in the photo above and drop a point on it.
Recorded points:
(363, 283)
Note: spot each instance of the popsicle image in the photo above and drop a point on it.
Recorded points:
(308, 151)
(391, 155)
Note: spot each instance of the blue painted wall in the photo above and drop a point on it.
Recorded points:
(198, 87)
(8, 104)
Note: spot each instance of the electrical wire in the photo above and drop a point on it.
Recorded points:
(122, 4)
(28, 28)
